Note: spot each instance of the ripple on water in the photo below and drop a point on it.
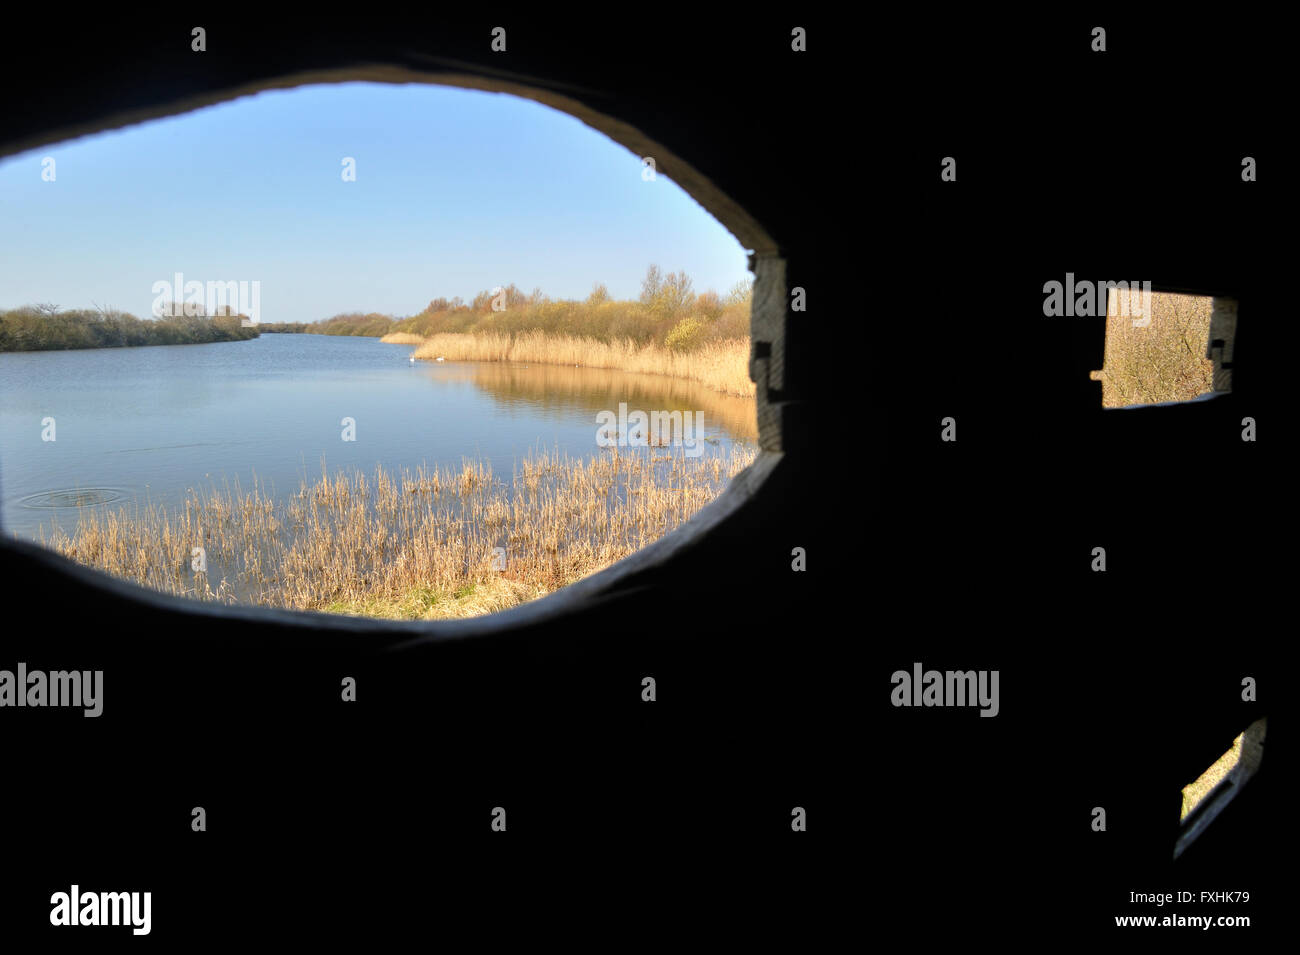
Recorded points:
(74, 497)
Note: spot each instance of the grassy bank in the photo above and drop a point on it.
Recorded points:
(720, 365)
(668, 330)
(667, 313)
(415, 545)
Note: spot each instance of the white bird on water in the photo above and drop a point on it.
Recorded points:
(440, 358)
(412, 359)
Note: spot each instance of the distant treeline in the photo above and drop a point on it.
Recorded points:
(45, 328)
(373, 325)
(668, 313)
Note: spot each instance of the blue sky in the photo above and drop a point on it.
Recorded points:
(456, 191)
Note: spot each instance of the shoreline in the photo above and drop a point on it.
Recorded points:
(720, 366)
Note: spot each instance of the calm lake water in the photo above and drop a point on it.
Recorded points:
(147, 424)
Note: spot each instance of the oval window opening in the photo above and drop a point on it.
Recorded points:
(409, 352)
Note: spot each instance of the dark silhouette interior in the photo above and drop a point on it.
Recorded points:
(925, 301)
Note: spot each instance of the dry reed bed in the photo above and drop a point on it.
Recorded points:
(1158, 357)
(723, 366)
(402, 338)
(416, 545)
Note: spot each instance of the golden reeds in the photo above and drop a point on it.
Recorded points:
(721, 365)
(428, 543)
(402, 338)
(1156, 357)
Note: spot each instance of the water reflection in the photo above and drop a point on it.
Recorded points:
(557, 389)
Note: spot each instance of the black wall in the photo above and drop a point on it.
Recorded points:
(925, 301)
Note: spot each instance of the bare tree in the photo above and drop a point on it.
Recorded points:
(741, 293)
(650, 285)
